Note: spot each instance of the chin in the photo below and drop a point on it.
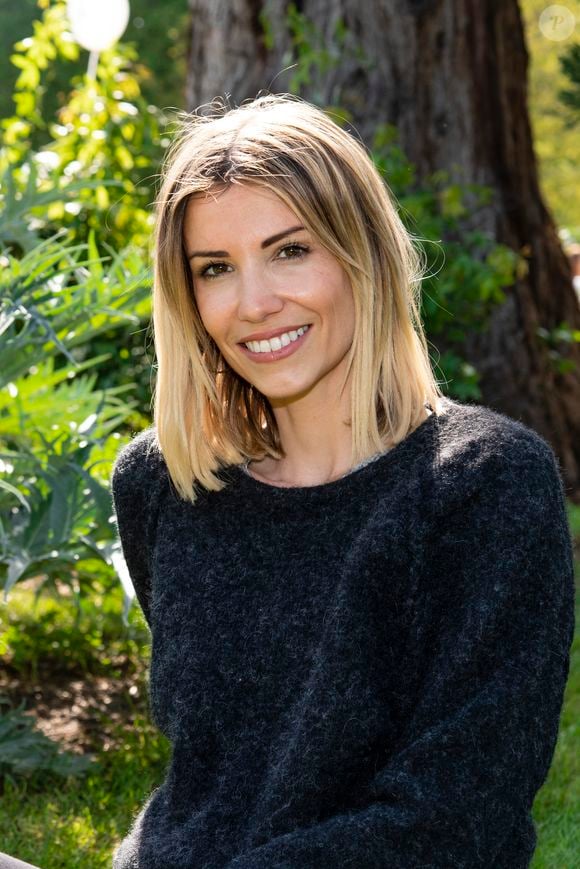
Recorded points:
(282, 397)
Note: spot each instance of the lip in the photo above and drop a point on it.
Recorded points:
(274, 355)
(273, 333)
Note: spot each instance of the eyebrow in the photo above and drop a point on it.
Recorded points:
(266, 243)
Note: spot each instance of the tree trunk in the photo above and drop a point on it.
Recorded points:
(452, 76)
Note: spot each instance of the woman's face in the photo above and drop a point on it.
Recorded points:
(278, 305)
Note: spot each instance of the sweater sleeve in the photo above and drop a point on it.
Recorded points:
(136, 480)
(458, 787)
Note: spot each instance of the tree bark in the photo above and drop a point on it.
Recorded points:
(452, 76)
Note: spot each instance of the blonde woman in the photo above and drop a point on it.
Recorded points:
(360, 592)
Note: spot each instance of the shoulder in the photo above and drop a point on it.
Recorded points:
(477, 447)
(138, 464)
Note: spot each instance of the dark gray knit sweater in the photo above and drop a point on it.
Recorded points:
(364, 673)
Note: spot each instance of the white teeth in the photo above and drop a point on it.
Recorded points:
(276, 343)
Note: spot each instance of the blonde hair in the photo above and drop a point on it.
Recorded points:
(206, 416)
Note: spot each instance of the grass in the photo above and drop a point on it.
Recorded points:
(53, 652)
(77, 822)
(556, 809)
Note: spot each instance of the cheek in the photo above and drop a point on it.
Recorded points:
(341, 303)
(216, 321)
(212, 315)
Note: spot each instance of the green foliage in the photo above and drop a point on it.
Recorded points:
(61, 523)
(555, 136)
(103, 144)
(158, 31)
(312, 53)
(558, 341)
(88, 171)
(570, 97)
(26, 751)
(29, 191)
(59, 296)
(160, 34)
(466, 276)
(33, 56)
(49, 630)
(56, 429)
(574, 522)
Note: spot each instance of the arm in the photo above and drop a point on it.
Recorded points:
(481, 737)
(135, 485)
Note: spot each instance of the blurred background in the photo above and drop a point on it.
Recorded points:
(472, 114)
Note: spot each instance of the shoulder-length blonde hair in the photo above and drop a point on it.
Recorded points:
(205, 415)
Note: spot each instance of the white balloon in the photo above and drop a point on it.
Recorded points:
(97, 24)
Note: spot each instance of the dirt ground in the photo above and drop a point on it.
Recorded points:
(82, 714)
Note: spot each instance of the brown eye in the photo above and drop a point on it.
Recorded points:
(205, 271)
(297, 251)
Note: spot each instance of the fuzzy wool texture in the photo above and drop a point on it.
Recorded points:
(367, 673)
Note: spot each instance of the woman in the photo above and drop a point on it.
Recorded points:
(360, 592)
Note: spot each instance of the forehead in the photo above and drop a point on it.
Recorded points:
(238, 209)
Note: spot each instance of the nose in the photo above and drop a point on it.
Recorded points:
(258, 297)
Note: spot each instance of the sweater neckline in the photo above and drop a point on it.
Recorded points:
(337, 486)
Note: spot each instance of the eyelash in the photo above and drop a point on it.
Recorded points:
(297, 245)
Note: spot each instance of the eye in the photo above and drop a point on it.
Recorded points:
(295, 251)
(205, 271)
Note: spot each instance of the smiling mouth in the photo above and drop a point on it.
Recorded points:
(278, 342)
(277, 348)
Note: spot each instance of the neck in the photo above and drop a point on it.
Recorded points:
(316, 438)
